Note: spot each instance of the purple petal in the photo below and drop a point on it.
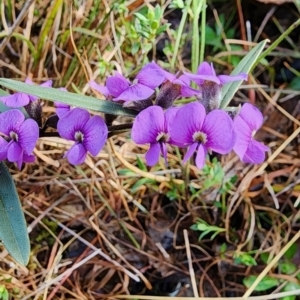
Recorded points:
(14, 152)
(228, 78)
(100, 88)
(11, 120)
(72, 122)
(243, 136)
(152, 155)
(16, 100)
(187, 91)
(47, 83)
(199, 79)
(200, 157)
(135, 92)
(170, 114)
(164, 152)
(28, 81)
(169, 76)
(182, 80)
(116, 85)
(252, 116)
(151, 75)
(95, 135)
(188, 120)
(148, 124)
(28, 158)
(190, 152)
(77, 154)
(206, 69)
(61, 109)
(219, 129)
(28, 135)
(255, 153)
(3, 148)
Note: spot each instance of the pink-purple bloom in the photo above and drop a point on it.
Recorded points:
(151, 126)
(192, 128)
(211, 84)
(89, 134)
(18, 137)
(143, 86)
(173, 87)
(21, 99)
(246, 123)
(206, 72)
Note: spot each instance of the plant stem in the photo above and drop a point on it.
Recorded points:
(203, 26)
(197, 7)
(180, 31)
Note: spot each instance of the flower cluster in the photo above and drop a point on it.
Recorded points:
(199, 126)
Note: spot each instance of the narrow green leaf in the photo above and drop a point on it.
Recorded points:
(244, 66)
(13, 229)
(266, 283)
(83, 101)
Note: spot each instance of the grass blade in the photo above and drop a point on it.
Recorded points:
(52, 94)
(13, 229)
(244, 66)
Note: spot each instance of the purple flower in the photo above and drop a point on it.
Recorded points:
(21, 99)
(151, 127)
(202, 133)
(89, 134)
(173, 87)
(20, 137)
(211, 84)
(207, 72)
(246, 123)
(183, 81)
(149, 78)
(100, 88)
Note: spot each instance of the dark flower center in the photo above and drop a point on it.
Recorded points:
(14, 136)
(79, 136)
(163, 137)
(200, 137)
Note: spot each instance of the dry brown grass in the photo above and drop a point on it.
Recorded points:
(95, 234)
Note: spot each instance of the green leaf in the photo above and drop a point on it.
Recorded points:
(83, 101)
(140, 183)
(244, 259)
(289, 287)
(141, 17)
(244, 66)
(265, 257)
(291, 252)
(13, 229)
(266, 283)
(287, 267)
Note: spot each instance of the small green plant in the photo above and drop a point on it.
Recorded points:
(213, 176)
(244, 258)
(142, 33)
(4, 295)
(285, 266)
(206, 229)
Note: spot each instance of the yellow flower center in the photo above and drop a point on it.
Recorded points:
(200, 137)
